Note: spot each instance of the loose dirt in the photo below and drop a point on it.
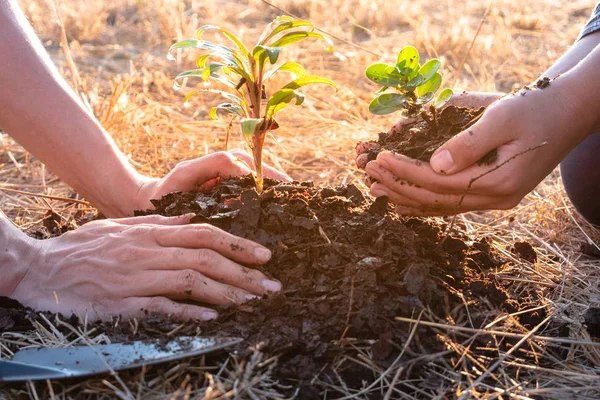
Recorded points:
(348, 265)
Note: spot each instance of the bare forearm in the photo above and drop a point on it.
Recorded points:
(42, 113)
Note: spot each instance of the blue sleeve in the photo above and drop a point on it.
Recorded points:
(593, 23)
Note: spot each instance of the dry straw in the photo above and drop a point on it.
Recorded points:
(118, 50)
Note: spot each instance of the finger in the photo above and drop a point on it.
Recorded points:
(398, 126)
(436, 204)
(364, 147)
(192, 285)
(213, 265)
(188, 174)
(420, 173)
(362, 160)
(268, 170)
(204, 236)
(469, 146)
(138, 307)
(156, 220)
(421, 197)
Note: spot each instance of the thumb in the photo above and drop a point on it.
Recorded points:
(466, 148)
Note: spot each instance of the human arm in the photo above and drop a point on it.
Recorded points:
(43, 114)
(130, 267)
(561, 115)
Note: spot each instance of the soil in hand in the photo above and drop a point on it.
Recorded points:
(419, 139)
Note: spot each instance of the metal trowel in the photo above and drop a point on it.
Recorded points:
(56, 363)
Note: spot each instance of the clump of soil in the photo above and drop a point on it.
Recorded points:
(419, 139)
(349, 267)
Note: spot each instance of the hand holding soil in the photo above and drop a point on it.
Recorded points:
(511, 125)
(204, 172)
(136, 266)
(464, 99)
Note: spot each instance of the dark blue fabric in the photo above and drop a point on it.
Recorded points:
(580, 172)
(593, 23)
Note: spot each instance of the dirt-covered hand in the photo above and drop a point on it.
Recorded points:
(462, 99)
(203, 172)
(135, 266)
(511, 125)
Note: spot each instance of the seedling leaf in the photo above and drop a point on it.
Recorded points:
(426, 98)
(250, 126)
(227, 108)
(260, 54)
(385, 75)
(408, 60)
(443, 98)
(429, 69)
(432, 85)
(281, 99)
(292, 67)
(387, 103)
(294, 37)
(234, 39)
(308, 80)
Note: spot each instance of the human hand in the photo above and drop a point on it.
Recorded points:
(135, 266)
(202, 172)
(511, 125)
(462, 99)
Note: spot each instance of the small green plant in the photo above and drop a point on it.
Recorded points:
(245, 71)
(414, 86)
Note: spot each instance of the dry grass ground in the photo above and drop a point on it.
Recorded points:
(119, 51)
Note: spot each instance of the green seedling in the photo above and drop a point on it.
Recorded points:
(244, 71)
(413, 86)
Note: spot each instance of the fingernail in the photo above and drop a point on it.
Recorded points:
(262, 253)
(208, 315)
(271, 286)
(379, 193)
(249, 297)
(442, 162)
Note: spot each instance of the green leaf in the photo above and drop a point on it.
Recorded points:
(280, 100)
(294, 37)
(279, 25)
(197, 73)
(408, 60)
(309, 80)
(229, 96)
(426, 98)
(229, 55)
(429, 69)
(413, 83)
(260, 53)
(250, 126)
(387, 103)
(432, 85)
(234, 39)
(227, 108)
(443, 98)
(292, 67)
(385, 75)
(201, 61)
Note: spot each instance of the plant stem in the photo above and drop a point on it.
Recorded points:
(258, 140)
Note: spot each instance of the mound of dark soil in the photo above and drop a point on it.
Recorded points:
(348, 265)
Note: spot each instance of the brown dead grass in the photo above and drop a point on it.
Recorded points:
(119, 50)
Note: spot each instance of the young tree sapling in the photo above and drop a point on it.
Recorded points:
(245, 71)
(413, 86)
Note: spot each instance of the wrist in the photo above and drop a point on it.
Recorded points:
(16, 251)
